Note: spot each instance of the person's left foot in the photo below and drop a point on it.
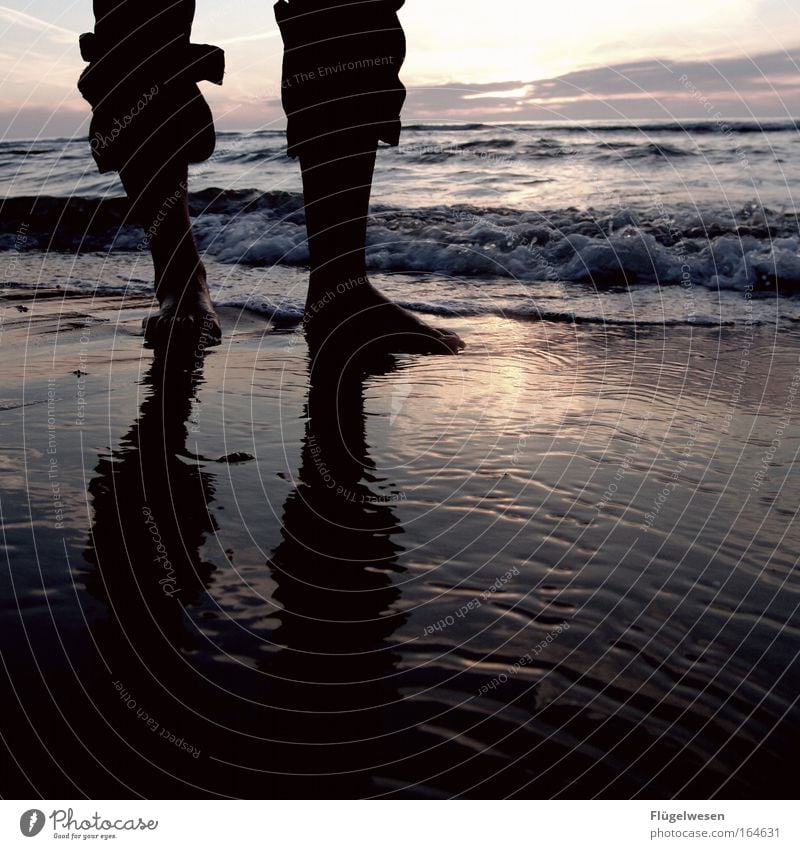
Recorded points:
(186, 316)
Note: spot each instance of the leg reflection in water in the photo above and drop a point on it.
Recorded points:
(334, 674)
(151, 515)
(298, 708)
(150, 500)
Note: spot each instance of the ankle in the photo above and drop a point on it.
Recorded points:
(336, 282)
(175, 281)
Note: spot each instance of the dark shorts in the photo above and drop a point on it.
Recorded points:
(340, 84)
(141, 82)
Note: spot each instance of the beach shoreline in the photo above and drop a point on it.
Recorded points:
(564, 566)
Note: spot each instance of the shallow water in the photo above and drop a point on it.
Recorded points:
(521, 165)
(698, 205)
(561, 564)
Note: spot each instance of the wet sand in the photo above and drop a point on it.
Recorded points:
(561, 564)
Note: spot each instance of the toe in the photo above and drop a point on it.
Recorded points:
(185, 329)
(452, 341)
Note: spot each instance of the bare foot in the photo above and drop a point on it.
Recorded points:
(186, 314)
(355, 315)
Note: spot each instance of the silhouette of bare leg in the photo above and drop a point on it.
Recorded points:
(343, 308)
(160, 199)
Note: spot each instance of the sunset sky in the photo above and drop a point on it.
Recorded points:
(467, 61)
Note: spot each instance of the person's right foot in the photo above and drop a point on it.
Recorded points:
(363, 318)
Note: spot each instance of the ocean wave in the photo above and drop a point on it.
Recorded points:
(548, 148)
(487, 144)
(716, 248)
(531, 312)
(290, 313)
(444, 128)
(430, 152)
(627, 150)
(777, 125)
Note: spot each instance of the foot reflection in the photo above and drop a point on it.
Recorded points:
(300, 708)
(150, 499)
(333, 676)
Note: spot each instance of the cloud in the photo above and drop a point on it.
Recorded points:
(766, 85)
(22, 19)
(509, 39)
(241, 39)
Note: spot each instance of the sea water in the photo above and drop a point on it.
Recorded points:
(661, 221)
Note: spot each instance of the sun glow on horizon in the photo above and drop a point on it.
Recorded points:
(451, 43)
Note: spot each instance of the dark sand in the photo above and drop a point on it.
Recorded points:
(563, 563)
